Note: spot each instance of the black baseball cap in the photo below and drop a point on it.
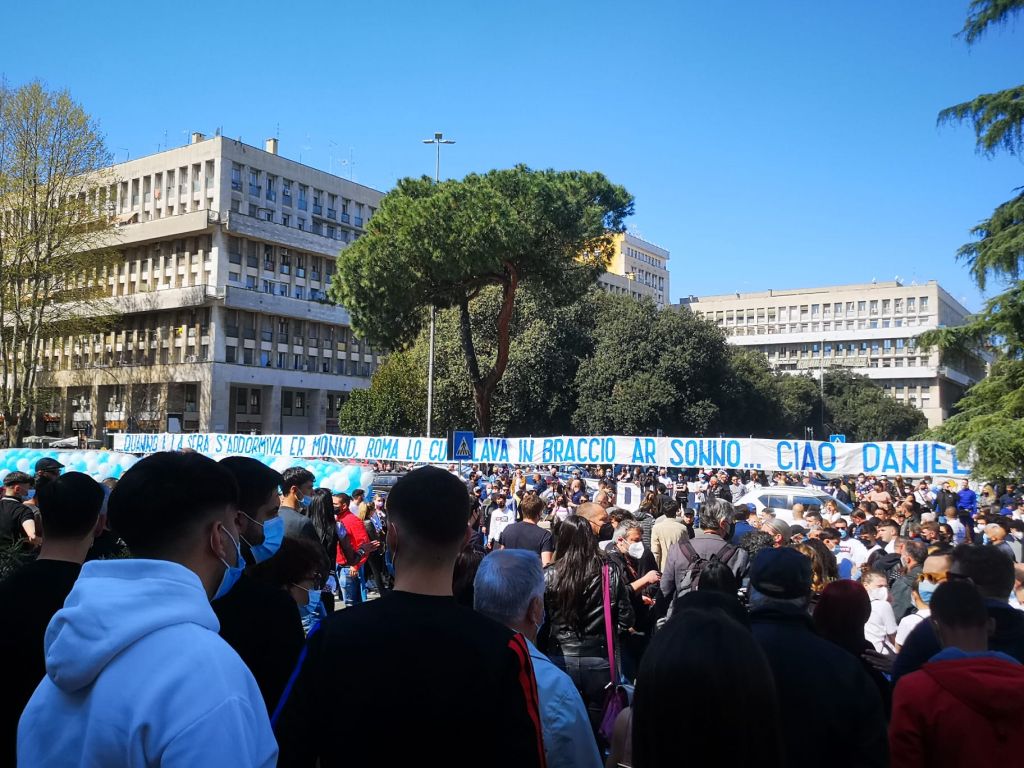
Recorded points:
(47, 464)
(783, 573)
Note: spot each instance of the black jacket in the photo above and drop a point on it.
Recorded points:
(589, 639)
(798, 657)
(263, 625)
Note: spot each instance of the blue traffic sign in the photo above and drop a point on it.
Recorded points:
(463, 446)
(837, 438)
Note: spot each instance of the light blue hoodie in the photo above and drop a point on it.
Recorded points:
(136, 675)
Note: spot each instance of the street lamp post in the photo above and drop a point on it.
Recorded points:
(438, 140)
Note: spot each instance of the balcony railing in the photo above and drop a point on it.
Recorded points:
(236, 184)
(271, 195)
(332, 214)
(302, 204)
(317, 209)
(286, 198)
(359, 221)
(344, 218)
(255, 190)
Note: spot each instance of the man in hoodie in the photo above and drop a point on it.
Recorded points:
(966, 705)
(438, 665)
(69, 509)
(992, 573)
(136, 672)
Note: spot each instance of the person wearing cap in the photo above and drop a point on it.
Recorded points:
(780, 594)
(779, 530)
(47, 470)
(797, 533)
(18, 521)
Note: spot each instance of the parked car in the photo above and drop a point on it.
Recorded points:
(781, 498)
(383, 482)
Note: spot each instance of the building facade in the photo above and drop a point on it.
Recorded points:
(638, 269)
(869, 328)
(222, 323)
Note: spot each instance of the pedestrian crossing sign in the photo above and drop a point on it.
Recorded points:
(463, 442)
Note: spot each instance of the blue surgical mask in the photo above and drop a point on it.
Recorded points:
(926, 589)
(314, 600)
(843, 533)
(273, 535)
(232, 572)
(31, 494)
(305, 501)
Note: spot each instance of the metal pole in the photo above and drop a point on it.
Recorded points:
(430, 362)
(821, 382)
(430, 374)
(438, 140)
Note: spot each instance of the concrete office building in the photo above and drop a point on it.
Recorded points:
(869, 327)
(638, 269)
(222, 320)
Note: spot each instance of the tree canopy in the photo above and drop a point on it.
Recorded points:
(55, 236)
(603, 364)
(440, 245)
(990, 419)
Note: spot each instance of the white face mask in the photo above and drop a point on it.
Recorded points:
(879, 593)
(636, 550)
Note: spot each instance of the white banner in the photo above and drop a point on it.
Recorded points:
(913, 459)
(416, 449)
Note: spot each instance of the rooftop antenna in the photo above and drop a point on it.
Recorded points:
(351, 163)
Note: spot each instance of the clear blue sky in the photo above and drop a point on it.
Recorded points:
(767, 144)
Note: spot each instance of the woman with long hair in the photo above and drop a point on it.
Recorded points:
(574, 601)
(824, 568)
(321, 512)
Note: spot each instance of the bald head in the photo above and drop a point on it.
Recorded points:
(593, 513)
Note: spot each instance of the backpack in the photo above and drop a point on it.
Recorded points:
(698, 564)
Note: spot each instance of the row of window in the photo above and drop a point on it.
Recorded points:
(827, 325)
(646, 258)
(249, 402)
(266, 186)
(752, 316)
(296, 362)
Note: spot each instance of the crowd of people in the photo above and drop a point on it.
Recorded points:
(200, 612)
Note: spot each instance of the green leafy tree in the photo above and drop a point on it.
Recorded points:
(442, 244)
(55, 237)
(652, 370)
(393, 404)
(990, 418)
(857, 407)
